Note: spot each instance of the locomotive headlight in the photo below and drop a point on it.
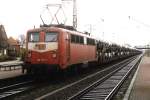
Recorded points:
(54, 55)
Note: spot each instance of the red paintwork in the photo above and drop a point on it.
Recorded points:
(45, 58)
(81, 53)
(68, 53)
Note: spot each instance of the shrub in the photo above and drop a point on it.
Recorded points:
(23, 53)
(6, 58)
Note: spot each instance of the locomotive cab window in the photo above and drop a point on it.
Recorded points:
(33, 37)
(51, 37)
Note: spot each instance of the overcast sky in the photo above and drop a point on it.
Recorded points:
(109, 18)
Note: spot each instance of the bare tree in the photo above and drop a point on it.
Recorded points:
(22, 39)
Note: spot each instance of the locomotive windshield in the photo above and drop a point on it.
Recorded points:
(51, 37)
(33, 37)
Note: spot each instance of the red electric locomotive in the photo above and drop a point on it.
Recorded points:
(57, 47)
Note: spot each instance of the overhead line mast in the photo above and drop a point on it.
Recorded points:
(74, 13)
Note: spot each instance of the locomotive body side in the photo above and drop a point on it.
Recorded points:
(82, 48)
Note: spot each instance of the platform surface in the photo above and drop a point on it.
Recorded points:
(8, 74)
(141, 86)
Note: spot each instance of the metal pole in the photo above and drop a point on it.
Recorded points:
(74, 14)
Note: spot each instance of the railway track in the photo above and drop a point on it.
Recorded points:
(15, 89)
(58, 90)
(83, 84)
(107, 89)
(14, 85)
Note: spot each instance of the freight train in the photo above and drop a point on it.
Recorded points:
(60, 47)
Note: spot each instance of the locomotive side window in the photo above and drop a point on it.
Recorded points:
(88, 41)
(33, 37)
(73, 38)
(77, 39)
(51, 37)
(81, 40)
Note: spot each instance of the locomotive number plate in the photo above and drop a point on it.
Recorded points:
(40, 46)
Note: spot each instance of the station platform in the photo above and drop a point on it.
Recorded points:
(140, 87)
(11, 73)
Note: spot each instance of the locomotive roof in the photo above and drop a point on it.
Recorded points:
(55, 28)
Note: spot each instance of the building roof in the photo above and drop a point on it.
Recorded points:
(12, 41)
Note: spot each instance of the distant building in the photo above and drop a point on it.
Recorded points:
(3, 41)
(13, 47)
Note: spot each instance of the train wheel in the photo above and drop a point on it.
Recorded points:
(28, 70)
